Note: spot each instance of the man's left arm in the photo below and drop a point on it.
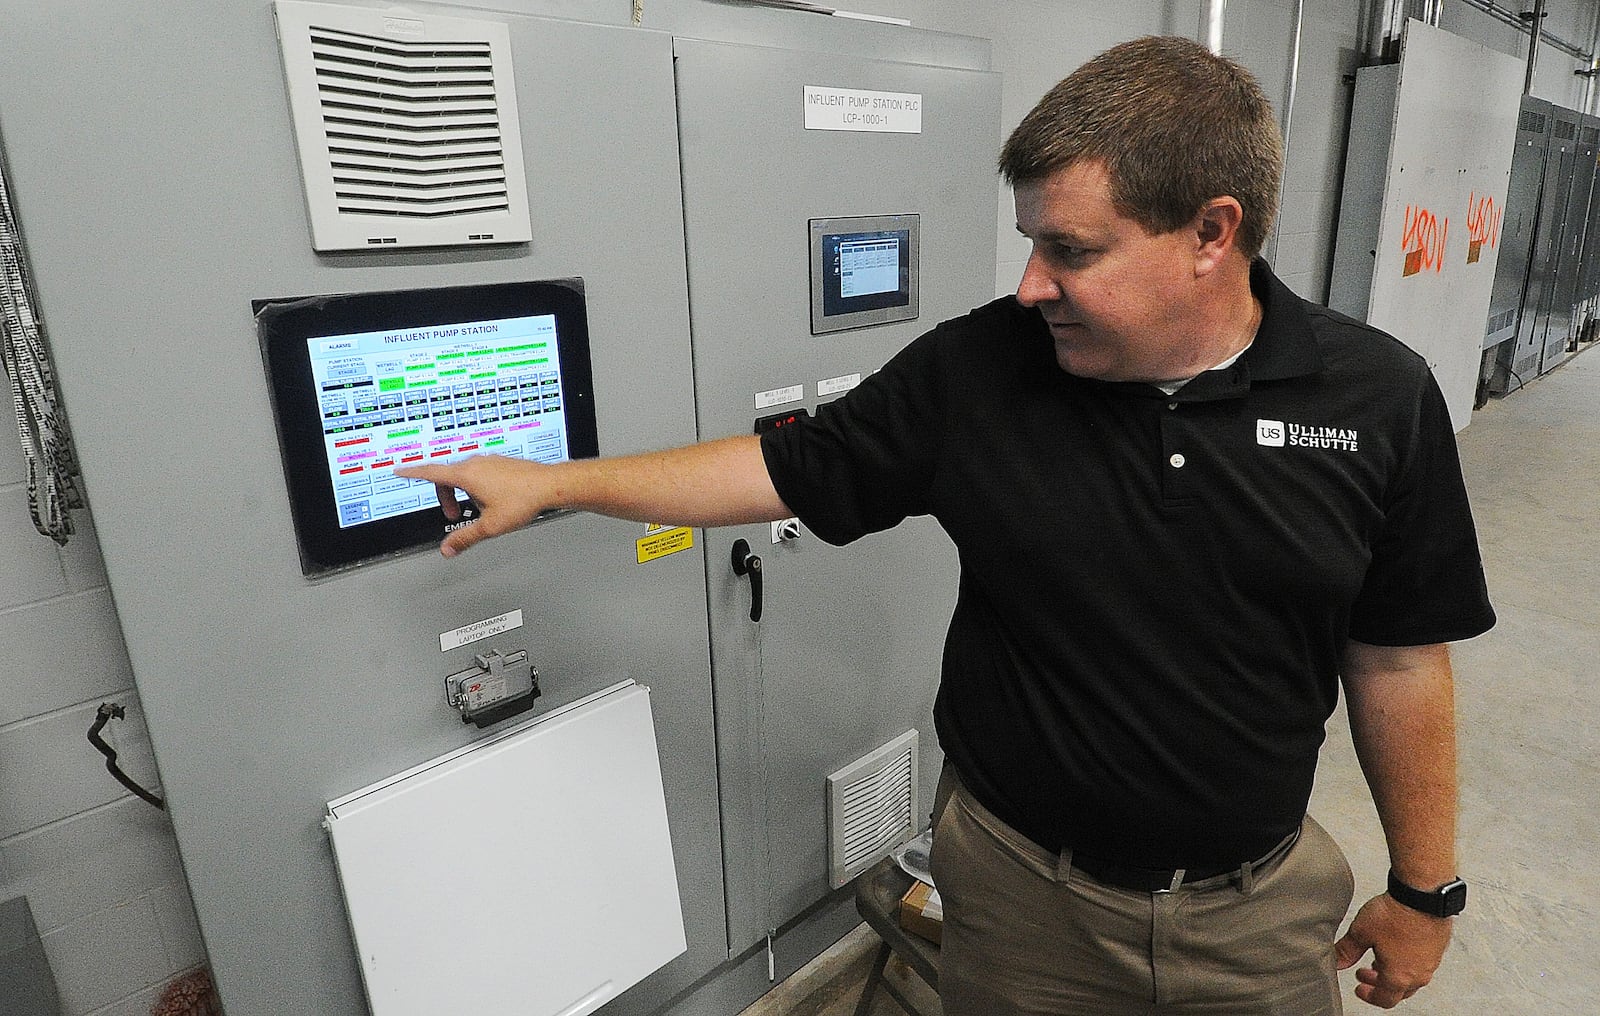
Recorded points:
(1401, 704)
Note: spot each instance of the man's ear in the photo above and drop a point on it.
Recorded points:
(1216, 231)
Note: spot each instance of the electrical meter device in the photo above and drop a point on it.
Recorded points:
(365, 383)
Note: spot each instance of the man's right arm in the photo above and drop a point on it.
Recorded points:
(716, 483)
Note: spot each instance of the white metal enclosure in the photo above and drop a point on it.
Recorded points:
(1433, 136)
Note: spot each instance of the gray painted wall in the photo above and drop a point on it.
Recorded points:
(100, 867)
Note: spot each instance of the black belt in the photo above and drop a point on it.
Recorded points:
(1157, 880)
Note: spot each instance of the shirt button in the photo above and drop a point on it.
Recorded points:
(1177, 461)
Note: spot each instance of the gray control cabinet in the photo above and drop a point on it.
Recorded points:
(1548, 261)
(1572, 159)
(1588, 289)
(1534, 200)
(846, 656)
(1518, 222)
(160, 194)
(158, 189)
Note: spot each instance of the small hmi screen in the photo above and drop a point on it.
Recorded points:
(869, 265)
(437, 393)
(863, 271)
(364, 384)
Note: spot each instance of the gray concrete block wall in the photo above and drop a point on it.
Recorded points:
(98, 866)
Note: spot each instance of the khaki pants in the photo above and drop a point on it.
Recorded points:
(1026, 935)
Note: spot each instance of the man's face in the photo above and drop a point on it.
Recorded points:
(1118, 299)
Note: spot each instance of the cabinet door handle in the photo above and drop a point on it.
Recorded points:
(747, 563)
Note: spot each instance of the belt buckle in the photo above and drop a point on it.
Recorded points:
(1177, 880)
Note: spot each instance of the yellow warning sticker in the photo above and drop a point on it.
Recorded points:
(668, 541)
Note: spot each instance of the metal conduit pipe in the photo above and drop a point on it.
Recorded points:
(1288, 119)
(1381, 14)
(1211, 18)
(1594, 63)
(1514, 19)
(1535, 31)
(1387, 21)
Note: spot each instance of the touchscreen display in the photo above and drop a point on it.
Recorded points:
(863, 271)
(433, 394)
(870, 264)
(366, 383)
(870, 269)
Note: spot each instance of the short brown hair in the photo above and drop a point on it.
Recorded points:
(1175, 126)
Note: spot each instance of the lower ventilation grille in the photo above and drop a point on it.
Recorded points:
(872, 808)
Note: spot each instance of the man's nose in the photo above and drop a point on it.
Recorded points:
(1036, 286)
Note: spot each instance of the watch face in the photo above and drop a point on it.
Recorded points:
(1454, 897)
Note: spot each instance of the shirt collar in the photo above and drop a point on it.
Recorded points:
(1285, 345)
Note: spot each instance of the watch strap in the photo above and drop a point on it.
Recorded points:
(1446, 901)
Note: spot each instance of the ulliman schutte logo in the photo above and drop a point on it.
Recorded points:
(1277, 434)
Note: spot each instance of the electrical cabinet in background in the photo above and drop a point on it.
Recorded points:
(1570, 172)
(1518, 221)
(1586, 304)
(1547, 283)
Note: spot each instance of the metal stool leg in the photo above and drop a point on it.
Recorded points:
(873, 980)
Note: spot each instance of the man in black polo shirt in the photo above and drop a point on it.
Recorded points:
(1188, 505)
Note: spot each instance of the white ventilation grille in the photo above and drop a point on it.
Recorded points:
(407, 127)
(872, 808)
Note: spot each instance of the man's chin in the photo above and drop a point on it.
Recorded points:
(1078, 364)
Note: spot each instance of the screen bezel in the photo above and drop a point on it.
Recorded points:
(285, 326)
(825, 288)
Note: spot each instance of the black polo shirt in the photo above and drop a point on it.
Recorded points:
(1155, 589)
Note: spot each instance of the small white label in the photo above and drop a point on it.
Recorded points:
(480, 630)
(409, 27)
(835, 385)
(856, 109)
(779, 396)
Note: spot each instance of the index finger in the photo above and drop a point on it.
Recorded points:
(443, 478)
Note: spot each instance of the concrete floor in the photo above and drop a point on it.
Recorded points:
(1529, 708)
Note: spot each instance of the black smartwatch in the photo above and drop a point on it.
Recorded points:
(1446, 901)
